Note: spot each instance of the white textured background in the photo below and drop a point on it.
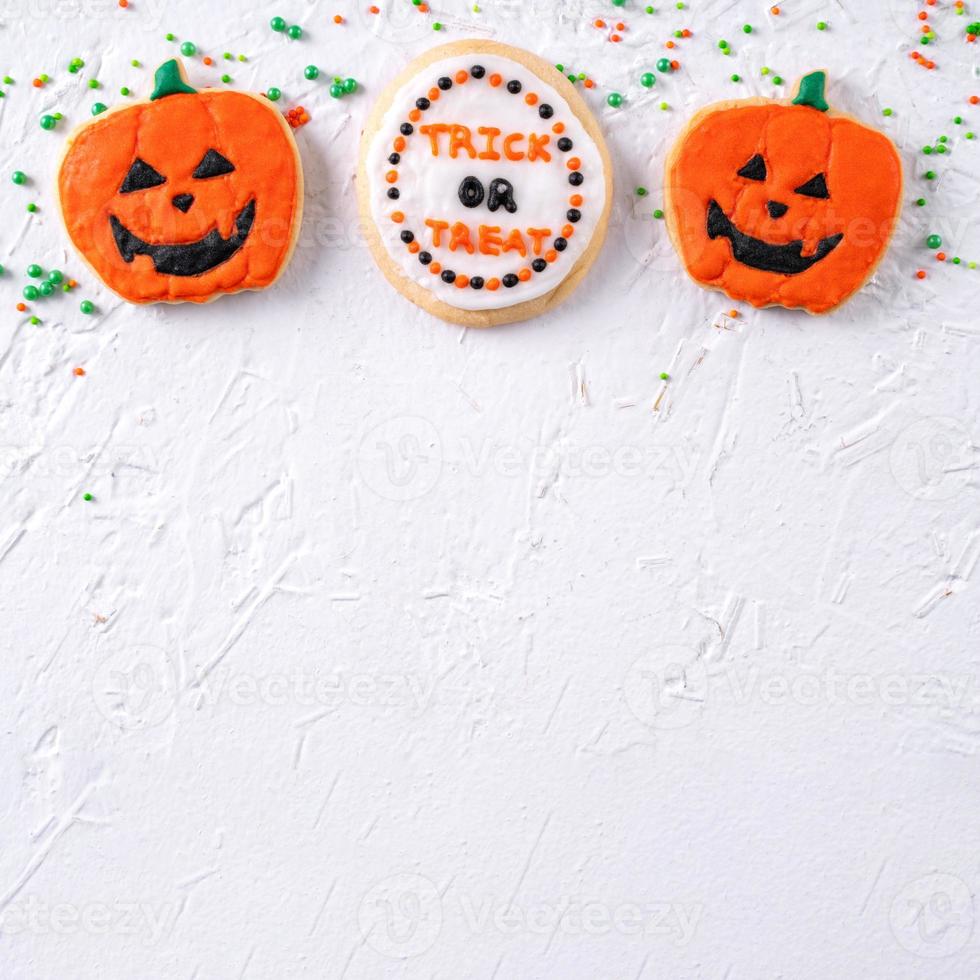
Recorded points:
(391, 650)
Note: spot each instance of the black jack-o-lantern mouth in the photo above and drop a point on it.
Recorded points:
(192, 259)
(787, 260)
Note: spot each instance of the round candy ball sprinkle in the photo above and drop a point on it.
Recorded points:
(641, 192)
(821, 25)
(273, 94)
(87, 306)
(35, 271)
(188, 49)
(311, 72)
(94, 83)
(921, 202)
(55, 276)
(31, 293)
(124, 90)
(337, 90)
(886, 112)
(658, 214)
(664, 376)
(746, 28)
(48, 122)
(32, 207)
(99, 107)
(736, 78)
(19, 177)
(277, 24)
(614, 99)
(46, 288)
(663, 65)
(648, 79)
(87, 496)
(295, 32)
(934, 241)
(349, 85)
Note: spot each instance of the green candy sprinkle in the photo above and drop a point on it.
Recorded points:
(46, 288)
(648, 79)
(35, 320)
(295, 32)
(32, 207)
(170, 37)
(663, 65)
(887, 112)
(31, 293)
(943, 139)
(19, 177)
(723, 45)
(35, 271)
(226, 79)
(99, 107)
(273, 94)
(135, 63)
(930, 175)
(664, 106)
(242, 57)
(641, 192)
(821, 25)
(746, 28)
(658, 214)
(87, 306)
(736, 78)
(228, 56)
(188, 49)
(48, 122)
(927, 150)
(664, 376)
(311, 72)
(94, 83)
(921, 202)
(764, 71)
(87, 496)
(55, 276)
(124, 90)
(957, 260)
(337, 90)
(934, 241)
(437, 26)
(349, 86)
(777, 80)
(7, 80)
(277, 24)
(614, 99)
(971, 136)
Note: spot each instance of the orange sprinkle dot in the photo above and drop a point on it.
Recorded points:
(495, 80)
(675, 65)
(921, 274)
(435, 268)
(493, 285)
(208, 60)
(21, 307)
(434, 94)
(397, 217)
(974, 99)
(923, 15)
(551, 255)
(414, 247)
(774, 11)
(524, 275)
(124, 3)
(461, 282)
(79, 372)
(415, 115)
(599, 22)
(620, 26)
(392, 176)
(733, 314)
(37, 83)
(531, 98)
(462, 76)
(423, 8)
(374, 10)
(337, 19)
(574, 163)
(686, 33)
(589, 83)
(576, 200)
(615, 38)
(558, 128)
(568, 231)
(399, 144)
(669, 44)
(940, 256)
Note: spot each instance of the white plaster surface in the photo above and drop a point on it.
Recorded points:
(387, 649)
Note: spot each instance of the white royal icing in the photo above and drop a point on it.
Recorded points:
(429, 184)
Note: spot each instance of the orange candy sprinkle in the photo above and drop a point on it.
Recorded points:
(392, 176)
(558, 128)
(524, 275)
(208, 60)
(576, 200)
(337, 19)
(79, 372)
(974, 99)
(921, 274)
(434, 94)
(531, 98)
(461, 77)
(495, 80)
(397, 217)
(774, 11)
(374, 10)
(493, 285)
(551, 255)
(435, 268)
(461, 282)
(21, 307)
(399, 144)
(574, 163)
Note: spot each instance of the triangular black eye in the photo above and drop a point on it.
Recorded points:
(213, 165)
(755, 169)
(140, 177)
(814, 187)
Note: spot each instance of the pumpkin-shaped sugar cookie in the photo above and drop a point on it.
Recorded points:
(185, 196)
(783, 203)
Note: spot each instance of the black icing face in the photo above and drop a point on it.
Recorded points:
(191, 258)
(786, 259)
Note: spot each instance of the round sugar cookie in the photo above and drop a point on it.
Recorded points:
(184, 196)
(485, 184)
(782, 203)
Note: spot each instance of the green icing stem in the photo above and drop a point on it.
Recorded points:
(169, 80)
(811, 91)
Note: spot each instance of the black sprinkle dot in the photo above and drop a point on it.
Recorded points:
(510, 280)
(445, 83)
(422, 103)
(477, 281)
(514, 87)
(545, 111)
(560, 244)
(565, 144)
(478, 71)
(395, 159)
(425, 258)
(574, 215)
(576, 179)
(394, 193)
(448, 276)
(539, 265)
(407, 237)
(406, 129)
